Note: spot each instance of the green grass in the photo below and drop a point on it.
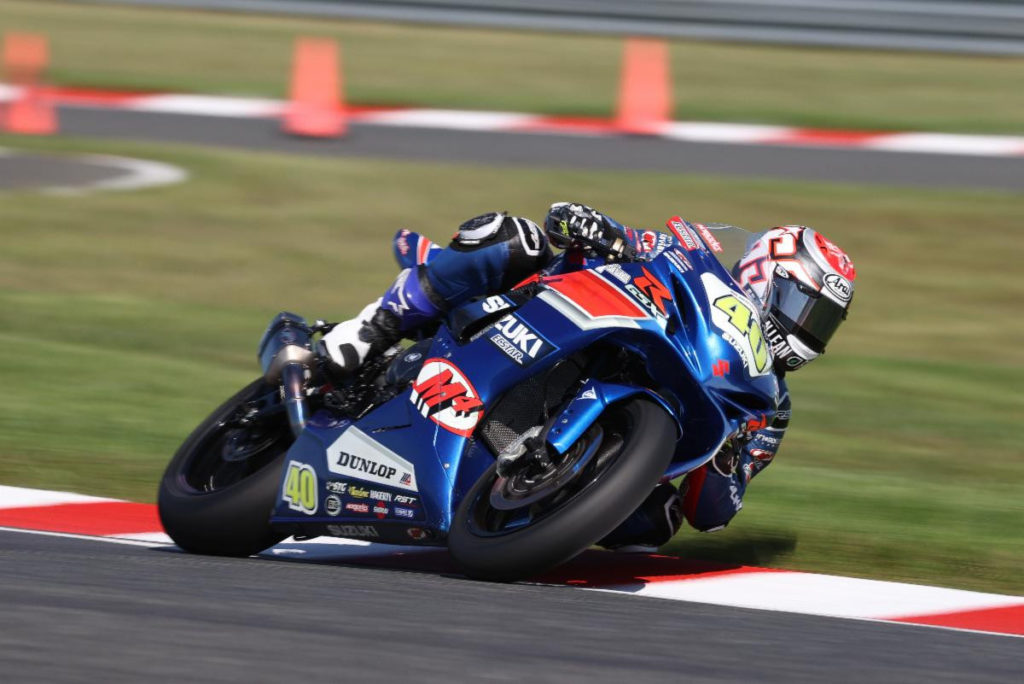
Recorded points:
(150, 49)
(125, 318)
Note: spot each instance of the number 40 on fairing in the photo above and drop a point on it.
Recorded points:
(300, 490)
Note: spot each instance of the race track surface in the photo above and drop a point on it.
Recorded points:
(77, 610)
(568, 151)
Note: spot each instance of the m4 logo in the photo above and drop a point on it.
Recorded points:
(443, 394)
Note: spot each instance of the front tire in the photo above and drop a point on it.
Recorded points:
(637, 443)
(219, 490)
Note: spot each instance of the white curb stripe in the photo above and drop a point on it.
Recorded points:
(21, 497)
(694, 131)
(814, 594)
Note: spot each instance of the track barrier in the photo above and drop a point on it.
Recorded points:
(316, 108)
(31, 112)
(645, 92)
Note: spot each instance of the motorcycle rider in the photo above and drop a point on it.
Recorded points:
(803, 282)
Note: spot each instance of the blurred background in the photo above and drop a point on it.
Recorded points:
(127, 315)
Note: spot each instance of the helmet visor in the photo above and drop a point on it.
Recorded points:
(809, 316)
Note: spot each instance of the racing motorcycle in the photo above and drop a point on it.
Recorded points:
(525, 428)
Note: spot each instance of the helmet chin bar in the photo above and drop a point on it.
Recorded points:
(788, 352)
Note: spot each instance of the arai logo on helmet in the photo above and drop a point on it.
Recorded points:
(444, 395)
(839, 286)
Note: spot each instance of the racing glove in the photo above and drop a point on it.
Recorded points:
(568, 224)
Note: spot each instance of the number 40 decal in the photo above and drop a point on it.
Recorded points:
(300, 490)
(741, 318)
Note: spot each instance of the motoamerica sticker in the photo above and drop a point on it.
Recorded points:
(444, 395)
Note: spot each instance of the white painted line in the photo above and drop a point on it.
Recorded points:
(206, 105)
(87, 537)
(21, 497)
(138, 174)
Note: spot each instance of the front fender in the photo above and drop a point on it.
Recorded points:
(589, 403)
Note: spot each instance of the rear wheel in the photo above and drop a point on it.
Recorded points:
(539, 517)
(219, 490)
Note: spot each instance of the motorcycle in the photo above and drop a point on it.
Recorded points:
(525, 428)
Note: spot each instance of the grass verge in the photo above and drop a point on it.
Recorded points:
(125, 318)
(392, 64)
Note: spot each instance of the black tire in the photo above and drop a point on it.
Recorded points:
(648, 438)
(220, 505)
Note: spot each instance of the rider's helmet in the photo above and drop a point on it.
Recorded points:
(805, 285)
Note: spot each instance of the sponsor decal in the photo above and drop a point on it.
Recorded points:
(358, 492)
(357, 507)
(380, 496)
(720, 368)
(336, 486)
(734, 496)
(404, 512)
(494, 304)
(755, 424)
(406, 500)
(739, 323)
(709, 239)
(353, 531)
(519, 341)
(300, 490)
(682, 232)
(839, 286)
(679, 260)
(332, 504)
(403, 242)
(356, 455)
(412, 357)
(615, 271)
(651, 293)
(762, 455)
(530, 236)
(589, 394)
(443, 394)
(380, 510)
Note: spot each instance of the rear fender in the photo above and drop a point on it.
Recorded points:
(592, 399)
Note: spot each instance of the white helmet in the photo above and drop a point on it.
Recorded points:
(805, 285)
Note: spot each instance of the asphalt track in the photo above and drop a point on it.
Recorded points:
(567, 151)
(75, 610)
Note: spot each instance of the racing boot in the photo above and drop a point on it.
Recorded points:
(651, 525)
(405, 306)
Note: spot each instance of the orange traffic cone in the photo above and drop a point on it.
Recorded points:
(31, 112)
(645, 102)
(316, 108)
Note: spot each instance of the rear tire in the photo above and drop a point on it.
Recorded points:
(218, 492)
(647, 438)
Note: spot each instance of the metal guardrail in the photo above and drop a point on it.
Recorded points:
(984, 26)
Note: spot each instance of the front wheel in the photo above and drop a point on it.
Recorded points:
(517, 527)
(218, 492)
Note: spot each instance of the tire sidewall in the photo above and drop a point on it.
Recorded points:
(234, 521)
(642, 461)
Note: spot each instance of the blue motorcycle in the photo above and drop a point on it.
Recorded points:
(524, 429)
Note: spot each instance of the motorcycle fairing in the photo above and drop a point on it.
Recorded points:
(657, 309)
